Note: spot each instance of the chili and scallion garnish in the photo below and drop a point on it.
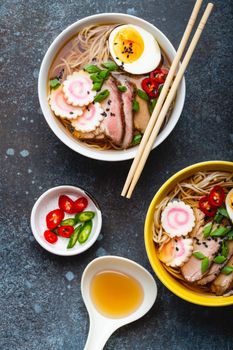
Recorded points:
(122, 88)
(135, 106)
(227, 270)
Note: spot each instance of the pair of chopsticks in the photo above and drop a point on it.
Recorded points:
(166, 97)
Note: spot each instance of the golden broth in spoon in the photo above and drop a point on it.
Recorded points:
(116, 294)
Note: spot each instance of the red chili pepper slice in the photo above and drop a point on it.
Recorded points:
(65, 231)
(50, 236)
(54, 218)
(216, 196)
(150, 86)
(159, 74)
(80, 204)
(205, 206)
(66, 204)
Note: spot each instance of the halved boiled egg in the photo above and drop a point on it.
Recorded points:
(229, 204)
(134, 49)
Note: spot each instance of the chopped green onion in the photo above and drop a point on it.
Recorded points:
(219, 259)
(142, 94)
(54, 83)
(137, 139)
(225, 249)
(95, 78)
(199, 255)
(218, 218)
(220, 231)
(152, 104)
(227, 270)
(104, 74)
(205, 265)
(223, 212)
(110, 65)
(122, 88)
(207, 230)
(97, 86)
(135, 106)
(91, 68)
(160, 88)
(230, 235)
(101, 96)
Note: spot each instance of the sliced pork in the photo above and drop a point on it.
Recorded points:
(127, 100)
(113, 124)
(215, 269)
(142, 117)
(191, 270)
(223, 283)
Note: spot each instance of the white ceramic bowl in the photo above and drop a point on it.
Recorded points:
(49, 201)
(57, 127)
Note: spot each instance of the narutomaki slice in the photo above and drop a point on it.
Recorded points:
(177, 219)
(90, 119)
(176, 251)
(77, 89)
(60, 107)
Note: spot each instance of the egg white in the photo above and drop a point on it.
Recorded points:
(229, 207)
(149, 59)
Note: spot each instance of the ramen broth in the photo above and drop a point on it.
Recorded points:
(116, 294)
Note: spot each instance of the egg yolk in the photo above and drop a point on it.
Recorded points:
(128, 45)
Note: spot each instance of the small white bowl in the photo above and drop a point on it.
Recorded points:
(49, 201)
(60, 131)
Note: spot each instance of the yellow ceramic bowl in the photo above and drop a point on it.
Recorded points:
(166, 278)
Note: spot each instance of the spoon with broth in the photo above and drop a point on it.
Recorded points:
(116, 291)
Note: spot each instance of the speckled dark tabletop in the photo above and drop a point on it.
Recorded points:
(41, 305)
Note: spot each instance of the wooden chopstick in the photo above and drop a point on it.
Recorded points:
(169, 99)
(163, 94)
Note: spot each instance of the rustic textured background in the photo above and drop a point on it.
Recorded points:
(41, 305)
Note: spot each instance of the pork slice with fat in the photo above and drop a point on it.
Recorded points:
(215, 269)
(113, 124)
(191, 270)
(127, 99)
(223, 283)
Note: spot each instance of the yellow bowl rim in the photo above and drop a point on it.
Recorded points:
(171, 283)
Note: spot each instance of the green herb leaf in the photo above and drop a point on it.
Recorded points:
(199, 255)
(137, 139)
(160, 88)
(220, 231)
(230, 235)
(218, 218)
(104, 74)
(54, 83)
(135, 106)
(110, 65)
(223, 212)
(225, 249)
(97, 86)
(205, 265)
(152, 104)
(207, 230)
(101, 96)
(95, 78)
(122, 88)
(219, 259)
(142, 94)
(227, 270)
(91, 68)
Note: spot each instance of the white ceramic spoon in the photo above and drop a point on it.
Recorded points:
(102, 327)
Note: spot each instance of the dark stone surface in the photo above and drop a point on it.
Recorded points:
(40, 307)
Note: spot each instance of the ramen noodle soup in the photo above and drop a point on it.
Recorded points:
(104, 84)
(193, 230)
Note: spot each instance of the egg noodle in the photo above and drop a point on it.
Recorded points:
(190, 191)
